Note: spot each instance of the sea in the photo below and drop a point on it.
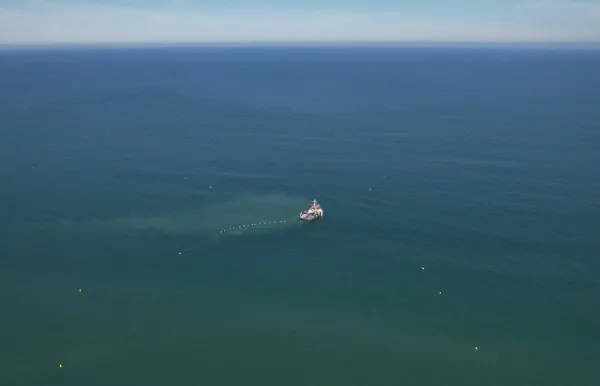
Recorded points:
(149, 230)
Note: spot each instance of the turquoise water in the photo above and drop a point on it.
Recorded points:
(459, 244)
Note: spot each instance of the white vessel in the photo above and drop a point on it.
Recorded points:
(313, 213)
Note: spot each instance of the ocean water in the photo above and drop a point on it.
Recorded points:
(148, 231)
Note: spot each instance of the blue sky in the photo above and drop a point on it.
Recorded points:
(137, 21)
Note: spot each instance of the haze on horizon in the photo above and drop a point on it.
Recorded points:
(42, 22)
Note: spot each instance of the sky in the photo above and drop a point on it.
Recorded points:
(209, 21)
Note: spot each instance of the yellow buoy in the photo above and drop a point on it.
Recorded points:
(60, 366)
(475, 348)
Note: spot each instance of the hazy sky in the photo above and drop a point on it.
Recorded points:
(141, 21)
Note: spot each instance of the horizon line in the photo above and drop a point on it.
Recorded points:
(491, 43)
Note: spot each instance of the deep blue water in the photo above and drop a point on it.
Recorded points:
(459, 245)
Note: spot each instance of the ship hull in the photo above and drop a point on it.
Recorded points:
(310, 219)
(304, 216)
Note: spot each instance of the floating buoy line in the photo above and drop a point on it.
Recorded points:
(241, 227)
(252, 225)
